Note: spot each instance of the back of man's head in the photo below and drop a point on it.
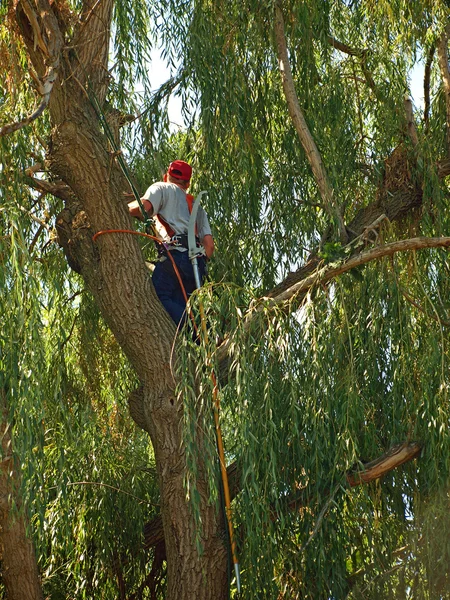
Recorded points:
(180, 170)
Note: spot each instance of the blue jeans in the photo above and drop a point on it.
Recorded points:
(168, 287)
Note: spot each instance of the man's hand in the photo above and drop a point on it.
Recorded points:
(135, 210)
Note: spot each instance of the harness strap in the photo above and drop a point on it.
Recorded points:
(169, 231)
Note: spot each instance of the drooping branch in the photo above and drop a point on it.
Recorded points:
(396, 456)
(299, 121)
(426, 86)
(292, 296)
(445, 73)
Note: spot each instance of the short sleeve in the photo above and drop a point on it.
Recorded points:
(154, 194)
(203, 225)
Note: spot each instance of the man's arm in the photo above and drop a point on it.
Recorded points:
(135, 210)
(208, 244)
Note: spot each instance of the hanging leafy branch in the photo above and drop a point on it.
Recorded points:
(298, 119)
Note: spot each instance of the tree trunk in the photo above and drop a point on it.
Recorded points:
(19, 567)
(115, 273)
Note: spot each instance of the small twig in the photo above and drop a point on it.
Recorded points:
(36, 219)
(320, 518)
(111, 487)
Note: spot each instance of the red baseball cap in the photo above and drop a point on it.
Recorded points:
(180, 170)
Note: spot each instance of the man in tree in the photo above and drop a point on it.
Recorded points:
(171, 205)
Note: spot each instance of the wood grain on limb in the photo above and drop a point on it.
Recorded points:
(393, 458)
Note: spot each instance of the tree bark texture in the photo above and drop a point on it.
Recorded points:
(20, 573)
(114, 271)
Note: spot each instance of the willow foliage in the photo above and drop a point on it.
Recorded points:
(312, 391)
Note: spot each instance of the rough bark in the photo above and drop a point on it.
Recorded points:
(20, 573)
(115, 273)
(445, 73)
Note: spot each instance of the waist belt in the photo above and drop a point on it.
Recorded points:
(176, 241)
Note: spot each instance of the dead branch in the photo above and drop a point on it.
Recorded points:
(57, 189)
(393, 458)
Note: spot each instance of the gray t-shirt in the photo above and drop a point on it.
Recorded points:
(169, 201)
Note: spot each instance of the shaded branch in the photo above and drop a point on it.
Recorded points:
(426, 86)
(302, 129)
(362, 55)
(292, 296)
(58, 189)
(329, 272)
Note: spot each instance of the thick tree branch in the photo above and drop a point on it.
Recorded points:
(298, 119)
(292, 296)
(57, 189)
(91, 46)
(445, 73)
(329, 272)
